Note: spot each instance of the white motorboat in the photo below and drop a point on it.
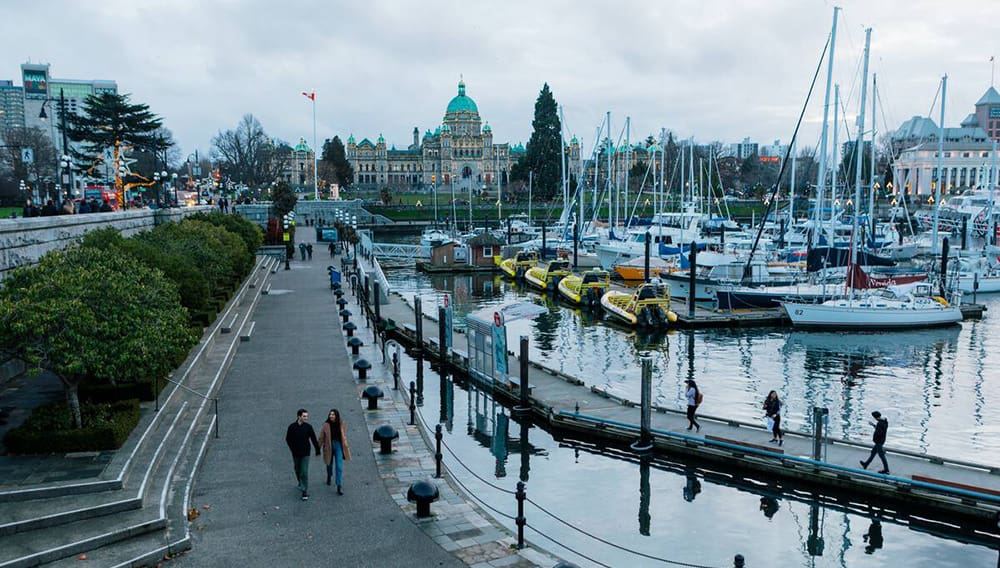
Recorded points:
(896, 307)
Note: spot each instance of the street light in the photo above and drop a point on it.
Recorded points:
(64, 164)
(173, 185)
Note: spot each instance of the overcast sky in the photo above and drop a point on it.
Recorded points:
(711, 69)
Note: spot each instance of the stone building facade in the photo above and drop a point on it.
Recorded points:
(460, 153)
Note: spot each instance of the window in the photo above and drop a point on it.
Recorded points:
(487, 251)
(965, 154)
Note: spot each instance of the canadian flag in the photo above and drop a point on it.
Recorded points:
(310, 96)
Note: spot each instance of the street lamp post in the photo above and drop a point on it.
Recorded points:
(173, 185)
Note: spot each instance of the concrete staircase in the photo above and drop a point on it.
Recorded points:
(136, 514)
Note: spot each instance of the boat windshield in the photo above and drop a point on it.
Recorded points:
(591, 277)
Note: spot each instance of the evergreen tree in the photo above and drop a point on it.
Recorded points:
(109, 118)
(334, 163)
(284, 199)
(544, 150)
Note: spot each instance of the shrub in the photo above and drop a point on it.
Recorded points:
(248, 231)
(49, 429)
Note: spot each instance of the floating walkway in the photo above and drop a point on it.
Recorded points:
(950, 491)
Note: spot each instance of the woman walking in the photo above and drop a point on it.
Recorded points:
(693, 400)
(772, 409)
(333, 440)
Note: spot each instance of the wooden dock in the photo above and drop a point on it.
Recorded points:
(945, 489)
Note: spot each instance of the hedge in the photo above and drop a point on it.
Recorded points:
(49, 429)
(142, 390)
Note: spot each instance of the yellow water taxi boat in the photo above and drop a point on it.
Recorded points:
(648, 306)
(586, 289)
(547, 277)
(516, 266)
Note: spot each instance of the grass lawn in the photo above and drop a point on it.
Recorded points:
(5, 212)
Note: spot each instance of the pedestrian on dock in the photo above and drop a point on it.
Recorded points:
(330, 246)
(302, 250)
(694, 399)
(300, 433)
(881, 426)
(772, 410)
(333, 440)
(309, 250)
(873, 537)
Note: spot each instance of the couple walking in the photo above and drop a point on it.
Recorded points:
(332, 440)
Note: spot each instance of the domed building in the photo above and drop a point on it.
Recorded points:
(459, 152)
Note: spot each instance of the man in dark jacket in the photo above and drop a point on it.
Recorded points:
(298, 437)
(881, 429)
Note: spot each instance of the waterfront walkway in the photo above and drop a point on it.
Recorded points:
(232, 499)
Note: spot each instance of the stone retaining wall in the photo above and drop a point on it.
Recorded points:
(24, 241)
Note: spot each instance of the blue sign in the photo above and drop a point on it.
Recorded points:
(499, 344)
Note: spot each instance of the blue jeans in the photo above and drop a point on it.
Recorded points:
(338, 460)
(302, 472)
(877, 450)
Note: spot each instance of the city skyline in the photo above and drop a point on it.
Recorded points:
(713, 70)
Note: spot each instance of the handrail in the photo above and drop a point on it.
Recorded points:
(952, 491)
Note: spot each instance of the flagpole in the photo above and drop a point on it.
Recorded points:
(315, 154)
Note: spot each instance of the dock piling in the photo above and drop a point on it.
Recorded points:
(819, 415)
(418, 313)
(645, 441)
(692, 257)
(524, 406)
(645, 266)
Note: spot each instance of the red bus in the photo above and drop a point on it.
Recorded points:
(101, 194)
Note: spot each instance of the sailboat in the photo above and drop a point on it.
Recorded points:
(895, 307)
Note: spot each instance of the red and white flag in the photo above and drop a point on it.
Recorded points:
(312, 96)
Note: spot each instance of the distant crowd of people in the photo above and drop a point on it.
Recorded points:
(66, 207)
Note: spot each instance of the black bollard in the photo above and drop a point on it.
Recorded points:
(384, 435)
(413, 403)
(965, 231)
(355, 344)
(437, 453)
(377, 299)
(692, 257)
(645, 269)
(372, 394)
(420, 381)
(287, 266)
(524, 406)
(395, 369)
(442, 343)
(521, 496)
(738, 562)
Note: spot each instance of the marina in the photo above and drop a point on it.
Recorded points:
(601, 413)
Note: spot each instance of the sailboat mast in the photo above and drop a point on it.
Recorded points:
(991, 237)
(791, 192)
(835, 159)
(562, 164)
(871, 165)
(628, 162)
(821, 176)
(857, 154)
(530, 176)
(940, 171)
(611, 149)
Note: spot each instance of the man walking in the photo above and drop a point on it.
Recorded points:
(298, 437)
(881, 429)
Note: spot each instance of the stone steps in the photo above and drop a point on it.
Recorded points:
(139, 513)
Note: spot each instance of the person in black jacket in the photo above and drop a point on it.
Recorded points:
(300, 433)
(881, 429)
(772, 409)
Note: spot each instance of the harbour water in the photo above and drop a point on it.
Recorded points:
(931, 384)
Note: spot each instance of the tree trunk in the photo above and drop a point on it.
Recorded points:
(73, 400)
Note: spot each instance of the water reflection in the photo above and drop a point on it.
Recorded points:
(588, 484)
(931, 384)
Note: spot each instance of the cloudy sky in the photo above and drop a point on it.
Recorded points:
(711, 69)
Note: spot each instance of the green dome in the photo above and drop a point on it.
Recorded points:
(462, 103)
(302, 146)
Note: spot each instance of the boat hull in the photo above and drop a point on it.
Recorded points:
(573, 291)
(824, 316)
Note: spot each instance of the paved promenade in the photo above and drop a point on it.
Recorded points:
(250, 510)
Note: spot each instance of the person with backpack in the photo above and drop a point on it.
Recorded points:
(694, 399)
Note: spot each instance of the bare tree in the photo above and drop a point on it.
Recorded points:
(13, 166)
(247, 154)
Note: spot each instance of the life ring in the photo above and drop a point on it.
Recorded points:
(940, 300)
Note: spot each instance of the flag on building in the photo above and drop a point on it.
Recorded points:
(311, 96)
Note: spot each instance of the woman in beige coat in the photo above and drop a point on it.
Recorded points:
(333, 440)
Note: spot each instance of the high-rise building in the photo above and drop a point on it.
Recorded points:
(40, 90)
(11, 106)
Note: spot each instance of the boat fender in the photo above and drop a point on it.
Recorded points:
(941, 301)
(671, 317)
